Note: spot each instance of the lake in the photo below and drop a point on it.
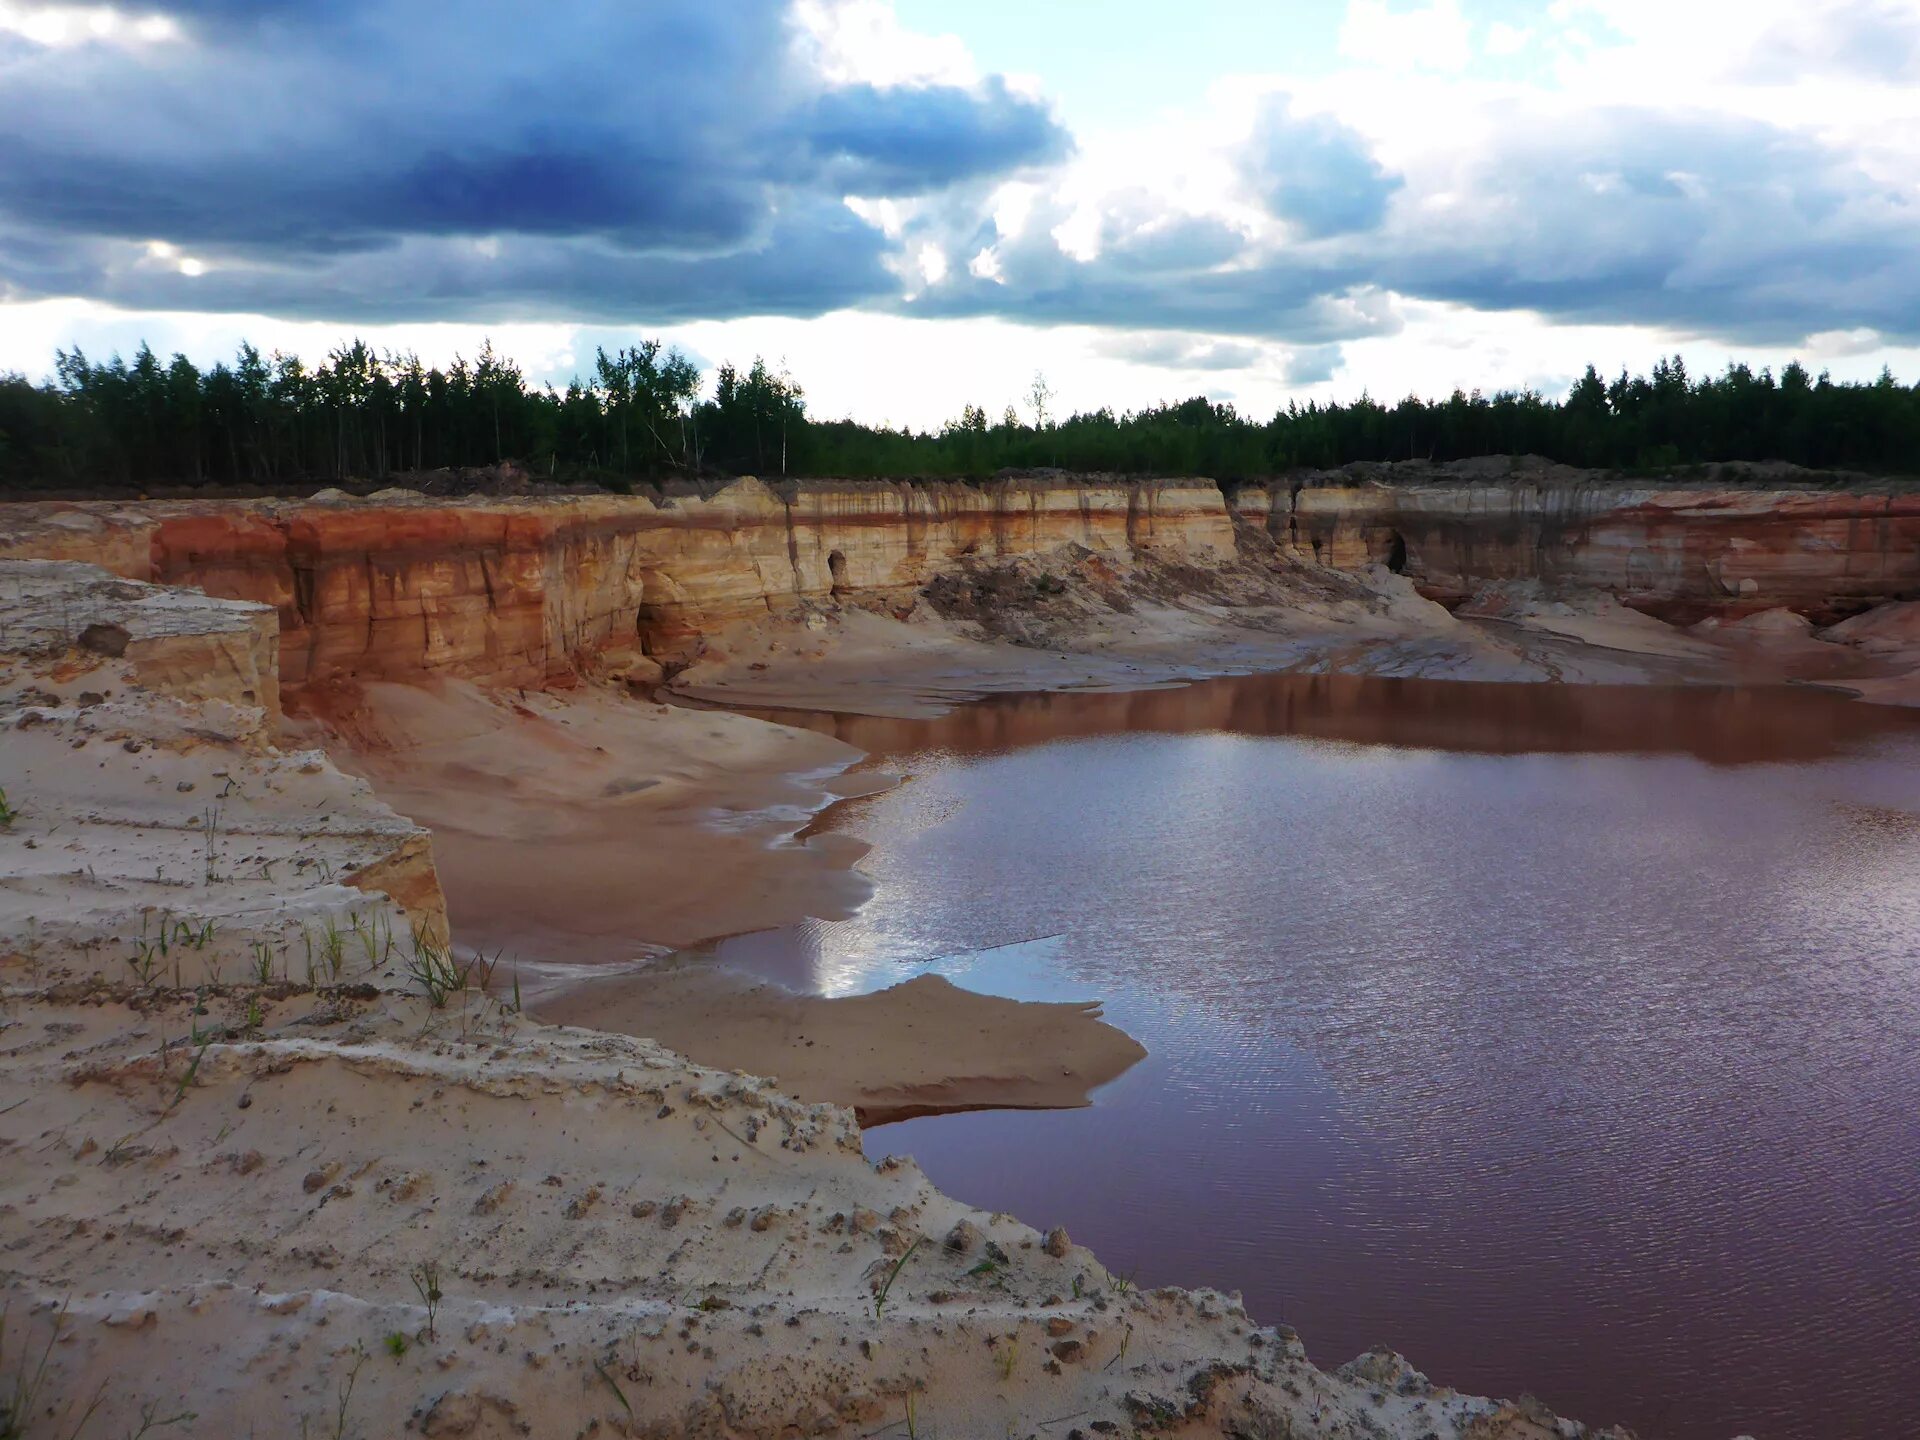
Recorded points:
(1566, 1039)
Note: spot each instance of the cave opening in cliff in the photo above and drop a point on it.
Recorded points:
(1397, 553)
(837, 568)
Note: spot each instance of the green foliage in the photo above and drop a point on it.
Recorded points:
(438, 971)
(365, 415)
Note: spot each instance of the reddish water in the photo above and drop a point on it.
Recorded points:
(1566, 1039)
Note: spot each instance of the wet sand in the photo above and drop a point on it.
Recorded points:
(923, 1047)
(589, 827)
(584, 835)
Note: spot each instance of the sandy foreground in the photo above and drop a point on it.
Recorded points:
(278, 1159)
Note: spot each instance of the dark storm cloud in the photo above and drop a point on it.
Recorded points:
(639, 163)
(343, 160)
(820, 259)
(938, 137)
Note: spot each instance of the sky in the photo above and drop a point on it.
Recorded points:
(914, 206)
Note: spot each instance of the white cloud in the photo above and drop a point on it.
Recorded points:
(851, 41)
(1844, 344)
(1429, 37)
(1504, 39)
(68, 25)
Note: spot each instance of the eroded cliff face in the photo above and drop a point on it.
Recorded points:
(1680, 553)
(516, 591)
(512, 591)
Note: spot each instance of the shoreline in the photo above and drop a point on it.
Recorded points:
(729, 1018)
(650, 830)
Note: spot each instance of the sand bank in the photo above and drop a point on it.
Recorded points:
(580, 830)
(918, 1048)
(587, 826)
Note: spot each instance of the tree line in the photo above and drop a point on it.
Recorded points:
(643, 411)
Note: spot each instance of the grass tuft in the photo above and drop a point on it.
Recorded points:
(880, 1300)
(437, 970)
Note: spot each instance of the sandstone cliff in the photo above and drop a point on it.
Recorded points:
(512, 590)
(516, 591)
(1677, 550)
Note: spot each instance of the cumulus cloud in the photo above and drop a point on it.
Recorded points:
(1714, 223)
(1873, 39)
(1316, 173)
(1694, 221)
(1185, 352)
(601, 157)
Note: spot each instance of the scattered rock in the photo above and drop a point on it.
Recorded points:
(493, 1197)
(106, 638)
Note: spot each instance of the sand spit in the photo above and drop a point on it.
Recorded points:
(356, 1195)
(919, 1048)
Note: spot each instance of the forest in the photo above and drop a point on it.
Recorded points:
(645, 413)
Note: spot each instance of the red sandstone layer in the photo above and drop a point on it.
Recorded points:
(513, 591)
(510, 591)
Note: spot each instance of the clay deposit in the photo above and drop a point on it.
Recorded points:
(286, 1159)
